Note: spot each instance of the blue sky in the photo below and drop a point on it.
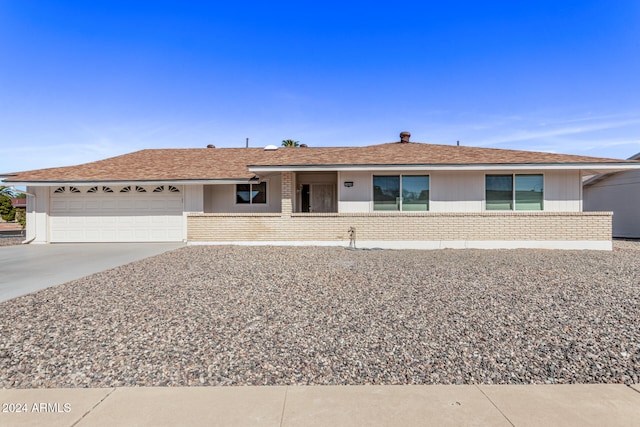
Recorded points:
(81, 81)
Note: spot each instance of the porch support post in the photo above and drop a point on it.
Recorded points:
(287, 193)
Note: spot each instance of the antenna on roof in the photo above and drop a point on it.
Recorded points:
(247, 146)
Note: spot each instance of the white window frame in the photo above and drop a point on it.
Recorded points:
(251, 203)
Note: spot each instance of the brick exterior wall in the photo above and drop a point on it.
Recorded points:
(429, 226)
(287, 193)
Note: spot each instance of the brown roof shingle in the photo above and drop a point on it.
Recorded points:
(414, 153)
(154, 165)
(232, 163)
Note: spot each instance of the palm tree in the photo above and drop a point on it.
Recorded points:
(6, 191)
(289, 143)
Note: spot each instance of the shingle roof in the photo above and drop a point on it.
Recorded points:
(414, 153)
(154, 165)
(232, 163)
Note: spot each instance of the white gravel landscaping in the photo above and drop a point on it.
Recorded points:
(222, 315)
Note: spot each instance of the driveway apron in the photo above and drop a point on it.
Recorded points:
(28, 268)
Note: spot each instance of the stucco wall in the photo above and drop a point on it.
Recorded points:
(461, 191)
(562, 192)
(356, 198)
(193, 198)
(222, 198)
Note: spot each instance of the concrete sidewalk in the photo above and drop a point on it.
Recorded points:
(483, 405)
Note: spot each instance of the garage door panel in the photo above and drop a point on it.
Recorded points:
(58, 204)
(107, 206)
(174, 234)
(94, 205)
(155, 234)
(143, 205)
(76, 205)
(126, 235)
(158, 205)
(159, 220)
(126, 221)
(116, 217)
(144, 233)
(92, 221)
(175, 205)
(109, 235)
(121, 204)
(107, 220)
(93, 234)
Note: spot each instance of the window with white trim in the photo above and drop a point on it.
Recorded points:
(514, 192)
(251, 194)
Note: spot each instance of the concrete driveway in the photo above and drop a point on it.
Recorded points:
(28, 268)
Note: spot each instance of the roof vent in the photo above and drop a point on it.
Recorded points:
(303, 145)
(270, 148)
(211, 146)
(404, 137)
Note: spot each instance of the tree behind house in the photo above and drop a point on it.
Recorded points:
(7, 211)
(290, 143)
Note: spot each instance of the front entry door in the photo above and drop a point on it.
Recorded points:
(323, 198)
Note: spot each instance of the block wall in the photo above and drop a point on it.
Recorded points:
(429, 226)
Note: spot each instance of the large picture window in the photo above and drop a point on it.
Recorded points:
(386, 193)
(499, 192)
(400, 192)
(514, 192)
(251, 194)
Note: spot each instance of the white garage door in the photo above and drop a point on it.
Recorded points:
(116, 214)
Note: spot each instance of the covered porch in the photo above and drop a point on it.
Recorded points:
(308, 215)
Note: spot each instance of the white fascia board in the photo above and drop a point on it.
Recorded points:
(159, 182)
(605, 167)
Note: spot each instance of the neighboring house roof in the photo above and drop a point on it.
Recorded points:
(19, 203)
(210, 164)
(597, 178)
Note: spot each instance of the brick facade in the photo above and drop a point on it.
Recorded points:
(287, 193)
(428, 226)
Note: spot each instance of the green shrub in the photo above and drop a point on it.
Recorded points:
(7, 210)
(21, 217)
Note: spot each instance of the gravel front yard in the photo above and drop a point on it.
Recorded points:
(210, 315)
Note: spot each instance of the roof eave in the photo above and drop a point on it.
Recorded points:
(41, 183)
(592, 166)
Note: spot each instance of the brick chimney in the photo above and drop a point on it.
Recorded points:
(404, 137)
